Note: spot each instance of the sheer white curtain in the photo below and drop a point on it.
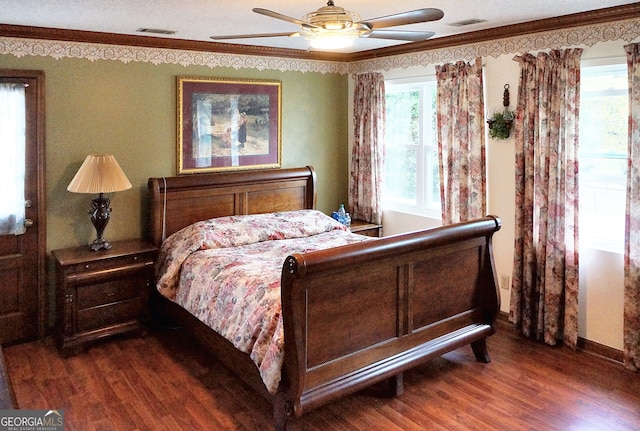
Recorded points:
(12, 156)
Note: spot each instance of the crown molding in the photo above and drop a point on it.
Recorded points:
(47, 33)
(586, 28)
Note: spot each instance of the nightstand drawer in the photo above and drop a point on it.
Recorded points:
(105, 293)
(110, 314)
(106, 274)
(107, 264)
(362, 227)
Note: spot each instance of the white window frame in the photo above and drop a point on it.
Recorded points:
(601, 232)
(427, 154)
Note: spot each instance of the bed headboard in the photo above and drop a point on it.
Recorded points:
(176, 202)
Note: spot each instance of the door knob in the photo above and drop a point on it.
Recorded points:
(28, 222)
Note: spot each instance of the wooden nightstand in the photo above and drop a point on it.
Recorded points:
(365, 228)
(101, 293)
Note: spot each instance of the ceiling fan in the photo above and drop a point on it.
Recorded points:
(332, 27)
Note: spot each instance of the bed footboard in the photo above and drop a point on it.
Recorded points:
(364, 313)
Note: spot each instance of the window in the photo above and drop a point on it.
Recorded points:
(411, 182)
(12, 156)
(603, 156)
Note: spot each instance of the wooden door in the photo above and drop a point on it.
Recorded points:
(23, 257)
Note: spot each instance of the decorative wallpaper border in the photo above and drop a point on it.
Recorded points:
(126, 54)
(627, 30)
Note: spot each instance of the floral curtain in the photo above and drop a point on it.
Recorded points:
(367, 156)
(461, 146)
(12, 156)
(544, 297)
(632, 225)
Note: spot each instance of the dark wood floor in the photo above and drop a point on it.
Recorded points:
(165, 382)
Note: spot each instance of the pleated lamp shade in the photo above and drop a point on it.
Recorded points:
(99, 173)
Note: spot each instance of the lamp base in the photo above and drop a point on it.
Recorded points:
(100, 244)
(100, 217)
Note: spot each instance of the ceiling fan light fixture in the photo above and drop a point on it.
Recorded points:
(321, 38)
(336, 25)
(334, 40)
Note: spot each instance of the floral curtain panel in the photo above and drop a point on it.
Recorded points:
(461, 146)
(544, 297)
(367, 156)
(12, 156)
(632, 226)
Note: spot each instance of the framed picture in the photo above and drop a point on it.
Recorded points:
(228, 124)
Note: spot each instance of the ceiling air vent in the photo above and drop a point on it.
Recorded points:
(155, 30)
(467, 22)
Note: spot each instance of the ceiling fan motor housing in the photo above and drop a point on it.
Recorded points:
(331, 17)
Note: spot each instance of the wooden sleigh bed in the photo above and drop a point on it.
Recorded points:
(354, 315)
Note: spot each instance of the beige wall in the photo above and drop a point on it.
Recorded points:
(129, 109)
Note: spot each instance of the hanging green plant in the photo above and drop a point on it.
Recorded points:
(500, 124)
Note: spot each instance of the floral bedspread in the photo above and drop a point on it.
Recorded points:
(226, 272)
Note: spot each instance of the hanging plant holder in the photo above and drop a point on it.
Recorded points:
(501, 122)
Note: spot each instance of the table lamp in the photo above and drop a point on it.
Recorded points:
(99, 173)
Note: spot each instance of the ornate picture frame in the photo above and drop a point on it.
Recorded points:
(228, 124)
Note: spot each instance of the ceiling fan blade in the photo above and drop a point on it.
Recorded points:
(404, 18)
(277, 15)
(412, 36)
(251, 36)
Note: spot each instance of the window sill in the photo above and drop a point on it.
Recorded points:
(603, 247)
(431, 215)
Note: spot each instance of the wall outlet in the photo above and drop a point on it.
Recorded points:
(504, 282)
